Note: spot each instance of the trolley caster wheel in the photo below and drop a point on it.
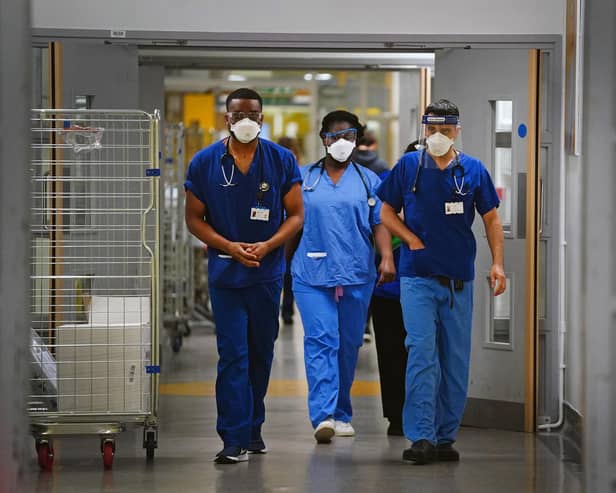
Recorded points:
(176, 344)
(150, 443)
(108, 453)
(45, 455)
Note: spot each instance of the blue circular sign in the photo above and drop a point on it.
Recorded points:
(522, 130)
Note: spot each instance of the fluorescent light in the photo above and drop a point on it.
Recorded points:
(236, 78)
(323, 76)
(308, 76)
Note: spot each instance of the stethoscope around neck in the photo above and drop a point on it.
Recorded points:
(458, 187)
(321, 164)
(263, 186)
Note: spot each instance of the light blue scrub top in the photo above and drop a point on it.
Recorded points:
(336, 245)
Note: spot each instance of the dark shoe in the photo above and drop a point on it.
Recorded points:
(231, 455)
(446, 453)
(257, 446)
(422, 452)
(395, 429)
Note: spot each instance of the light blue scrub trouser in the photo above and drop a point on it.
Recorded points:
(246, 329)
(333, 334)
(439, 345)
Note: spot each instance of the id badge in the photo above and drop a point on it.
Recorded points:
(454, 208)
(259, 214)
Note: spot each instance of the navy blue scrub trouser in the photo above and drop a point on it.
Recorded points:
(246, 329)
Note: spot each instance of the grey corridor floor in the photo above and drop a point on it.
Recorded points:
(492, 461)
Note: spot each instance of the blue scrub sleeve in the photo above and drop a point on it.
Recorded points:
(486, 197)
(392, 188)
(194, 181)
(292, 174)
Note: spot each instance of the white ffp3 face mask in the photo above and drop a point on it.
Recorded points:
(246, 130)
(341, 150)
(438, 144)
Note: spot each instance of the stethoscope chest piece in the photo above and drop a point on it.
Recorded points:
(264, 186)
(371, 201)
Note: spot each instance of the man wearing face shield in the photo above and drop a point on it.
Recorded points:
(334, 271)
(243, 199)
(439, 188)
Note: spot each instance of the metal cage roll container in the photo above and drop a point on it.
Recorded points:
(95, 277)
(177, 255)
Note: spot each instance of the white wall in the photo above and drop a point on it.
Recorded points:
(599, 230)
(152, 89)
(15, 95)
(472, 17)
(574, 229)
(108, 72)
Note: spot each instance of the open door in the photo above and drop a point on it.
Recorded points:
(497, 93)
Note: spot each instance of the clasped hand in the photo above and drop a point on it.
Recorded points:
(248, 254)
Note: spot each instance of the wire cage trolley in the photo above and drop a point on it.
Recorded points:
(177, 256)
(95, 277)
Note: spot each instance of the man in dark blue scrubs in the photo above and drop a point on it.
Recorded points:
(440, 188)
(244, 201)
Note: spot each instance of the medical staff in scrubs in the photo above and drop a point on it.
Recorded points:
(334, 271)
(244, 201)
(439, 188)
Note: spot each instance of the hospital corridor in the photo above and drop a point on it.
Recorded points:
(307, 247)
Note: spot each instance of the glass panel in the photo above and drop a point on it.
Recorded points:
(504, 116)
(503, 156)
(500, 310)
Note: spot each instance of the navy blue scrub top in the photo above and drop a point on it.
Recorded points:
(336, 245)
(228, 209)
(450, 244)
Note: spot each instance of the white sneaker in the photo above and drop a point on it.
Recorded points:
(344, 429)
(325, 431)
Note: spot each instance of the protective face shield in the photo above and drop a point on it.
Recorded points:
(439, 133)
(340, 144)
(245, 130)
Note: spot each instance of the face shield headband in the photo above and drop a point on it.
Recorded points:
(427, 120)
(440, 120)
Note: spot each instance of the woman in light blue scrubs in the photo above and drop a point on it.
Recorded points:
(334, 271)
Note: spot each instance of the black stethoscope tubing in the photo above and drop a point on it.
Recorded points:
(321, 163)
(262, 187)
(457, 189)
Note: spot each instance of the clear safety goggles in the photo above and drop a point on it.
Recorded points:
(349, 134)
(236, 116)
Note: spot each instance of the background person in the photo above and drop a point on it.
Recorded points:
(389, 334)
(238, 193)
(287, 308)
(334, 271)
(366, 153)
(439, 188)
